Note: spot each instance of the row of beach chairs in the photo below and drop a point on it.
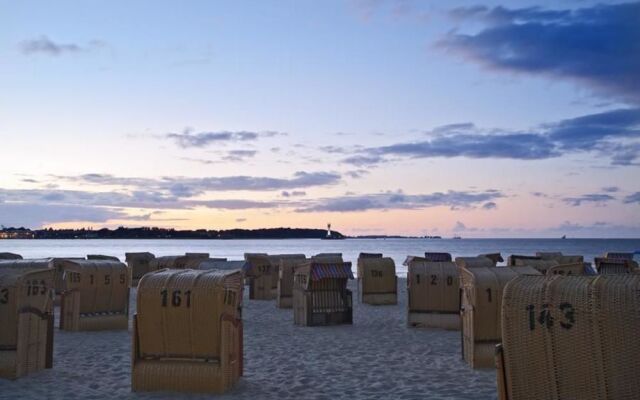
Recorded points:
(554, 326)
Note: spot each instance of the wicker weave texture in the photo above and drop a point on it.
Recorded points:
(433, 288)
(475, 262)
(93, 289)
(284, 298)
(571, 337)
(26, 317)
(188, 331)
(480, 308)
(377, 280)
(138, 264)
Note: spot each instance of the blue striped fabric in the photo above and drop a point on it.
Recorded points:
(322, 271)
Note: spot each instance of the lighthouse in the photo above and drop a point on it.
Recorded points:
(329, 230)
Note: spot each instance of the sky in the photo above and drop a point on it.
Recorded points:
(470, 118)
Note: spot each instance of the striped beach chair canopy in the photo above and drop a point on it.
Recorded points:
(335, 270)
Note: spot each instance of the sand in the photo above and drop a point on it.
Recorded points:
(377, 357)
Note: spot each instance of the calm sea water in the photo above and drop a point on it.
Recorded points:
(398, 249)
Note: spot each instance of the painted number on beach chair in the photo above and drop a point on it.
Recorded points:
(4, 296)
(74, 277)
(546, 318)
(107, 279)
(434, 279)
(36, 288)
(263, 268)
(449, 280)
(122, 279)
(376, 273)
(176, 298)
(489, 295)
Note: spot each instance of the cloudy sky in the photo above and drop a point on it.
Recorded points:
(483, 119)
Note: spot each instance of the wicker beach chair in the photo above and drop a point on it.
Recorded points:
(320, 294)
(284, 297)
(433, 290)
(480, 307)
(26, 317)
(606, 266)
(10, 256)
(95, 295)
(138, 264)
(377, 280)
(187, 334)
(101, 257)
(570, 337)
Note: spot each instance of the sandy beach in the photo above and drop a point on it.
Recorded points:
(376, 358)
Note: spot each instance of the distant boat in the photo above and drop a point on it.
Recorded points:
(563, 237)
(457, 237)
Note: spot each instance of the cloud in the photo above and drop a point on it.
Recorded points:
(235, 204)
(612, 134)
(592, 131)
(459, 226)
(399, 200)
(188, 138)
(357, 174)
(241, 219)
(53, 205)
(610, 189)
(593, 45)
(294, 193)
(523, 146)
(489, 205)
(239, 155)
(632, 198)
(44, 45)
(194, 186)
(37, 215)
(364, 160)
(597, 198)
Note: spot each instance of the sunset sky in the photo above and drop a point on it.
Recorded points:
(482, 119)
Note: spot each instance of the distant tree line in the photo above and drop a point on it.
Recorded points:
(163, 233)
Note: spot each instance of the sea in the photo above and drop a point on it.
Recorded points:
(398, 249)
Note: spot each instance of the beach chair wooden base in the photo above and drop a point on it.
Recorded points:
(479, 354)
(284, 302)
(34, 349)
(72, 320)
(379, 299)
(448, 321)
(214, 376)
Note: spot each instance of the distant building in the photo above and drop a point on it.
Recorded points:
(16, 233)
